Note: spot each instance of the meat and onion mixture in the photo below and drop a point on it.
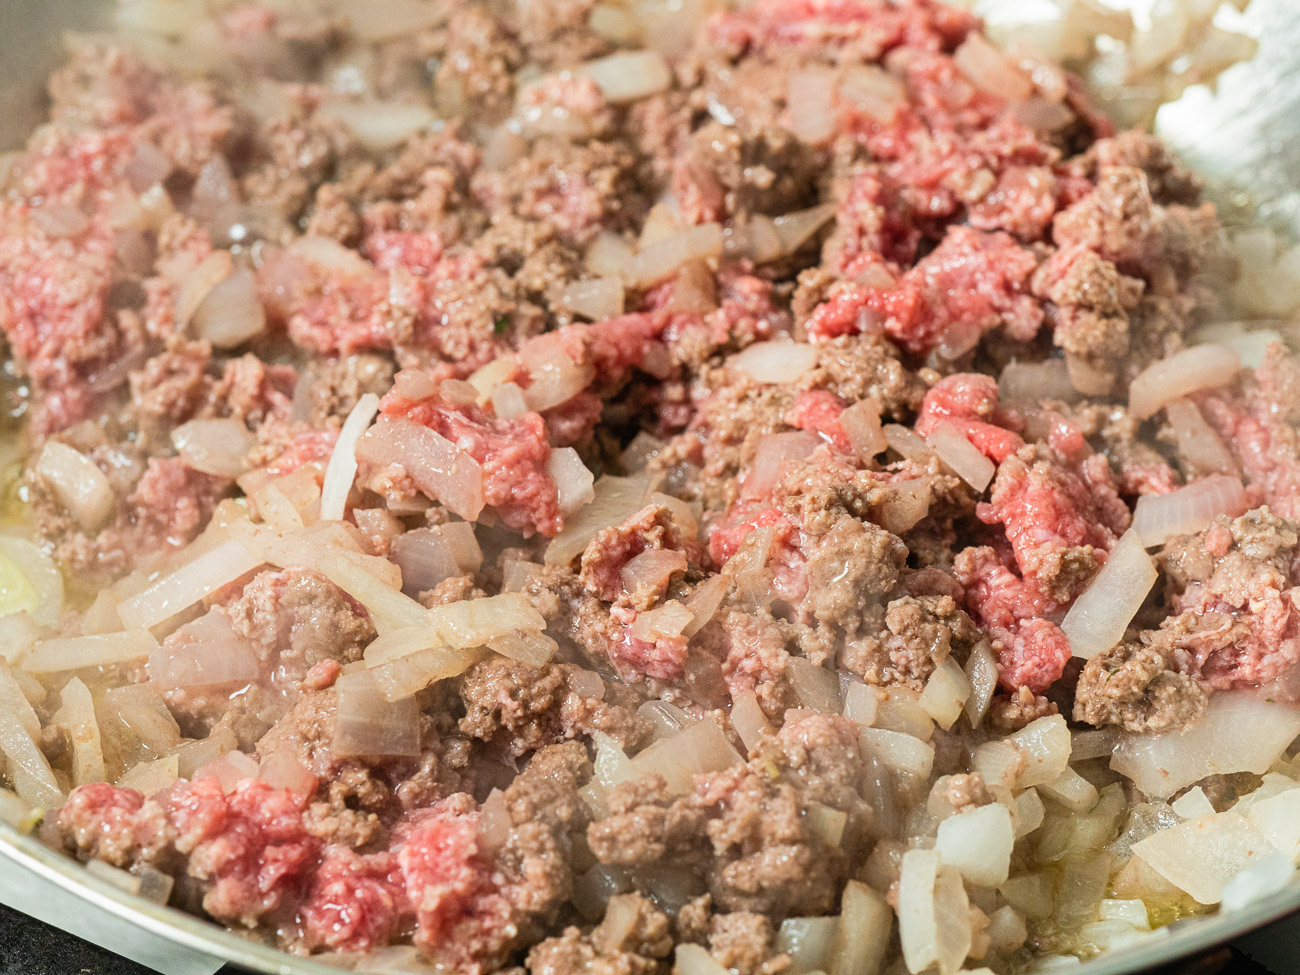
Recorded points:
(564, 487)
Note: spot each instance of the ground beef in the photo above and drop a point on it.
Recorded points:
(633, 939)
(1135, 686)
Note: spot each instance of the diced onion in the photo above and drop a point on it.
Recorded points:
(188, 585)
(692, 959)
(205, 653)
(194, 755)
(609, 255)
(1201, 856)
(1099, 617)
(1033, 383)
(755, 238)
(978, 843)
(1239, 732)
(368, 722)
(342, 468)
(945, 693)
(439, 468)
(528, 647)
(473, 622)
(816, 688)
(665, 718)
(661, 259)
(797, 228)
(1185, 372)
(231, 313)
(149, 777)
(329, 254)
(282, 770)
(904, 506)
(861, 424)
(961, 456)
(77, 714)
(231, 769)
(1200, 449)
(380, 125)
(1194, 803)
(1095, 743)
(1071, 790)
(810, 100)
(748, 720)
(862, 935)
(554, 377)
(699, 748)
(29, 582)
(771, 455)
(666, 622)
(196, 285)
(982, 672)
(616, 500)
(629, 76)
(77, 652)
(873, 91)
(413, 672)
(217, 447)
(574, 484)
(907, 443)
(1277, 817)
(429, 556)
(992, 71)
(898, 751)
(29, 771)
(371, 23)
(704, 602)
(595, 299)
(651, 570)
(508, 401)
(861, 703)
(1159, 517)
(775, 362)
(78, 483)
(1044, 745)
(933, 918)
(807, 942)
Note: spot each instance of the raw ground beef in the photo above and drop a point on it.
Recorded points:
(581, 509)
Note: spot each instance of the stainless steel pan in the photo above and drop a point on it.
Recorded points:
(1245, 138)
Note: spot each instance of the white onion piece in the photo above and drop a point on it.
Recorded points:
(1032, 383)
(873, 91)
(628, 76)
(1094, 743)
(281, 770)
(961, 456)
(661, 259)
(861, 424)
(1044, 744)
(945, 692)
(1268, 875)
(217, 447)
(771, 455)
(992, 71)
(1194, 803)
(908, 444)
(29, 772)
(574, 484)
(29, 582)
(149, 777)
(933, 919)
(528, 647)
(775, 362)
(231, 313)
(696, 749)
(554, 377)
(329, 254)
(595, 299)
(205, 653)
(1099, 617)
(429, 556)
(826, 823)
(609, 255)
(1248, 339)
(194, 755)
(978, 843)
(1200, 448)
(77, 652)
(1277, 817)
(399, 643)
(1071, 790)
(1201, 856)
(137, 721)
(898, 751)
(665, 719)
(473, 622)
(372, 23)
(692, 959)
(342, 468)
(704, 602)
(77, 714)
(439, 468)
(78, 483)
(899, 709)
(748, 720)
(188, 585)
(861, 703)
(666, 622)
(651, 570)
(413, 672)
(807, 942)
(1199, 367)
(816, 688)
(810, 100)
(194, 287)
(380, 125)
(367, 723)
(1159, 517)
(982, 672)
(797, 228)
(756, 239)
(862, 935)
(1239, 732)
(508, 401)
(616, 500)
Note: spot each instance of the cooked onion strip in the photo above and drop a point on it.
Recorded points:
(78, 483)
(439, 468)
(1159, 517)
(188, 585)
(1102, 613)
(1185, 372)
(342, 468)
(775, 362)
(78, 652)
(961, 456)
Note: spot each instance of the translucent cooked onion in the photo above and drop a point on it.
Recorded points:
(574, 484)
(527, 647)
(798, 227)
(692, 959)
(609, 255)
(231, 313)
(945, 693)
(1239, 732)
(508, 401)
(1200, 449)
(933, 914)
(29, 771)
(429, 556)
(205, 653)
(413, 672)
(807, 942)
(78, 652)
(661, 259)
(374, 23)
(188, 585)
(815, 688)
(616, 500)
(1159, 517)
(861, 424)
(371, 723)
(594, 298)
(78, 483)
(904, 506)
(1201, 856)
(217, 447)
(908, 444)
(810, 100)
(194, 755)
(628, 76)
(1071, 790)
(772, 453)
(982, 672)
(328, 254)
(1199, 367)
(77, 714)
(898, 751)
(754, 239)
(961, 456)
(473, 622)
(194, 287)
(862, 934)
(873, 91)
(779, 363)
(650, 570)
(1032, 383)
(151, 776)
(699, 748)
(380, 125)
(231, 769)
(704, 601)
(1044, 744)
(29, 582)
(342, 468)
(748, 720)
(554, 377)
(977, 844)
(665, 622)
(439, 468)
(991, 70)
(1099, 617)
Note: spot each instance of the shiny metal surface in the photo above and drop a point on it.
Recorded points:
(1245, 138)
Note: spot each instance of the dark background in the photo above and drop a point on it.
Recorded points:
(29, 947)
